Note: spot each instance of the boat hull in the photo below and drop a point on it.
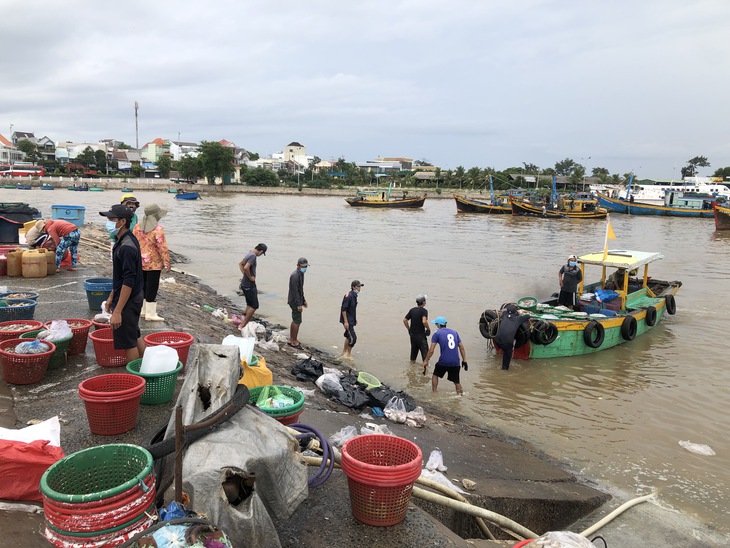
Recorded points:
(722, 217)
(187, 196)
(403, 203)
(466, 205)
(526, 209)
(639, 208)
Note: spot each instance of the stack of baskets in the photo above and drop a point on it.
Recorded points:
(285, 415)
(103, 495)
(24, 368)
(17, 309)
(58, 358)
(106, 354)
(178, 340)
(112, 402)
(160, 387)
(381, 471)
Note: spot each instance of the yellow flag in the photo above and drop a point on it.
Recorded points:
(610, 235)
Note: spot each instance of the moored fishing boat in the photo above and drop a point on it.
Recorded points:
(638, 305)
(183, 195)
(676, 204)
(580, 205)
(498, 205)
(722, 216)
(382, 198)
(47, 186)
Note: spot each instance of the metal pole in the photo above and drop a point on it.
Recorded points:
(179, 445)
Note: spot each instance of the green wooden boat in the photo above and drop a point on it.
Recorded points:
(172, 191)
(556, 331)
(126, 189)
(9, 186)
(96, 189)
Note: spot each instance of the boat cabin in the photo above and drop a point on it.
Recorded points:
(673, 198)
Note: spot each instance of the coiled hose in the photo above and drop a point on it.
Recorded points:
(328, 457)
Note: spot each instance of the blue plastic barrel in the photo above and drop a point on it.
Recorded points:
(71, 213)
(97, 290)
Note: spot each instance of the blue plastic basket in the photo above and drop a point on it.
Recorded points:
(17, 309)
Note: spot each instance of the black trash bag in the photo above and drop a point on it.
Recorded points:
(307, 370)
(381, 395)
(355, 398)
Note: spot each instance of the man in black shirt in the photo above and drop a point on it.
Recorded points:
(509, 322)
(296, 300)
(418, 328)
(348, 317)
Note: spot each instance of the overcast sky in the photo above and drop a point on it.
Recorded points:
(638, 85)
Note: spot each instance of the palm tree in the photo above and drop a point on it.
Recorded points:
(460, 175)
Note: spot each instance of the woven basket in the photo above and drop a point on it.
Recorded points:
(58, 358)
(17, 309)
(80, 329)
(106, 354)
(112, 402)
(285, 415)
(23, 326)
(178, 340)
(160, 387)
(24, 368)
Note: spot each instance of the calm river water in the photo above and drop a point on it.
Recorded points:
(616, 416)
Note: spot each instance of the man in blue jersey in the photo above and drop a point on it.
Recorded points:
(451, 346)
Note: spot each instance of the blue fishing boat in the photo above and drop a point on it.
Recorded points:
(24, 187)
(182, 195)
(46, 186)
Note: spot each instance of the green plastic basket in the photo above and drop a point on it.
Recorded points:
(370, 381)
(96, 473)
(293, 393)
(528, 303)
(160, 387)
(58, 358)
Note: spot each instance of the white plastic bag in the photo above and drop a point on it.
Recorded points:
(417, 416)
(252, 328)
(329, 384)
(396, 410)
(564, 539)
(268, 345)
(372, 428)
(338, 439)
(438, 477)
(245, 345)
(159, 359)
(58, 330)
(697, 448)
(436, 461)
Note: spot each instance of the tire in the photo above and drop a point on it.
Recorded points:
(650, 316)
(523, 335)
(671, 304)
(628, 328)
(544, 332)
(594, 334)
(488, 324)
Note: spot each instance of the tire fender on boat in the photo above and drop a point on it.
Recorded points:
(593, 334)
(650, 316)
(544, 332)
(671, 304)
(628, 328)
(523, 335)
(487, 326)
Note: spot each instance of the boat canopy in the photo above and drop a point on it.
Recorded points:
(619, 258)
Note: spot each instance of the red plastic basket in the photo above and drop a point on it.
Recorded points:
(80, 329)
(24, 368)
(110, 406)
(289, 419)
(106, 354)
(381, 471)
(99, 325)
(6, 334)
(178, 340)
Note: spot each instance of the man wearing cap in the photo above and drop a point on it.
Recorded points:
(348, 318)
(569, 276)
(125, 300)
(509, 322)
(418, 328)
(248, 282)
(296, 300)
(450, 346)
(132, 203)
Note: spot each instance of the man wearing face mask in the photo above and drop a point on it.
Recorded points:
(348, 317)
(132, 203)
(125, 300)
(296, 300)
(569, 276)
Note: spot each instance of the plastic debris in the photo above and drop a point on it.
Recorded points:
(697, 448)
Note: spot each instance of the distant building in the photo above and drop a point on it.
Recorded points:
(68, 150)
(9, 154)
(405, 163)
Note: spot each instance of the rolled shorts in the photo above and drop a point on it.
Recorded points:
(452, 372)
(296, 315)
(126, 335)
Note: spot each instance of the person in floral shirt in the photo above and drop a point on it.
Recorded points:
(155, 257)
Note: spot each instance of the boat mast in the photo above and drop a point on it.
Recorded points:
(555, 190)
(491, 191)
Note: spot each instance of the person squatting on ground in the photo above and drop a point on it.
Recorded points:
(65, 236)
(418, 329)
(509, 322)
(125, 300)
(155, 257)
(248, 282)
(569, 276)
(450, 346)
(296, 300)
(348, 318)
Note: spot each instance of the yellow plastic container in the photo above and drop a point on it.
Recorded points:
(34, 264)
(50, 261)
(15, 263)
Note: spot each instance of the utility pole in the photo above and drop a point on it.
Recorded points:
(136, 124)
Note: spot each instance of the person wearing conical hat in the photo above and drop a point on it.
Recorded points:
(155, 257)
(132, 203)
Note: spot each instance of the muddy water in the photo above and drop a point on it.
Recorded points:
(616, 416)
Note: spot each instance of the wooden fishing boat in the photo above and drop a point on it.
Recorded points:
(172, 190)
(126, 189)
(382, 198)
(183, 195)
(96, 189)
(79, 188)
(47, 186)
(722, 216)
(23, 187)
(676, 204)
(639, 304)
(467, 205)
(578, 206)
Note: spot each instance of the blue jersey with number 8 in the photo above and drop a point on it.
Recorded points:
(448, 341)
